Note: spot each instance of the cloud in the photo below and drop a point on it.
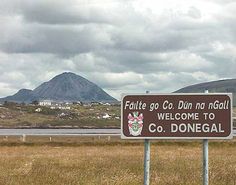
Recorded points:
(123, 46)
(57, 40)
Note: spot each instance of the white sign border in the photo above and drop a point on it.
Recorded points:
(230, 136)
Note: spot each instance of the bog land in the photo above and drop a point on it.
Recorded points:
(93, 115)
(96, 115)
(91, 161)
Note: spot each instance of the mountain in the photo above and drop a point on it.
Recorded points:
(23, 95)
(228, 85)
(64, 87)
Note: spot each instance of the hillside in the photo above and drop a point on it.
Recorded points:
(23, 95)
(64, 87)
(228, 85)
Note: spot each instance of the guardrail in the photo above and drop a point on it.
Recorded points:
(24, 136)
(85, 135)
(50, 135)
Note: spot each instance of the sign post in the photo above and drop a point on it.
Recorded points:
(176, 116)
(205, 159)
(146, 159)
(205, 162)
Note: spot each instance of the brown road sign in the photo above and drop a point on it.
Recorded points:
(176, 116)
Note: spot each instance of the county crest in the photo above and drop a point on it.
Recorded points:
(135, 123)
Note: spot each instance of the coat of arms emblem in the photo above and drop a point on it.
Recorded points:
(135, 123)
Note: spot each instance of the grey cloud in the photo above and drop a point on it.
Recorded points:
(70, 11)
(194, 13)
(138, 33)
(114, 44)
(222, 2)
(145, 62)
(62, 12)
(57, 40)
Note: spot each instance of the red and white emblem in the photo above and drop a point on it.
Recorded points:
(135, 123)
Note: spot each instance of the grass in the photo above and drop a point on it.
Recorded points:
(117, 162)
(79, 116)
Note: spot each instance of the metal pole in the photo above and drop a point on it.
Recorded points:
(146, 159)
(205, 159)
(205, 162)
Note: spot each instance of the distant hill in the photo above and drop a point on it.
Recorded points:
(23, 95)
(64, 87)
(228, 85)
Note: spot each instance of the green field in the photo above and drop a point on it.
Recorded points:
(78, 117)
(115, 162)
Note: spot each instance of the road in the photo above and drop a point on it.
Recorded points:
(9, 132)
(75, 132)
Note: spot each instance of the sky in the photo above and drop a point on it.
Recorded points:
(124, 46)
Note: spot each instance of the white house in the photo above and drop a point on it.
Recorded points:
(45, 103)
(106, 116)
(61, 107)
(64, 107)
(38, 110)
